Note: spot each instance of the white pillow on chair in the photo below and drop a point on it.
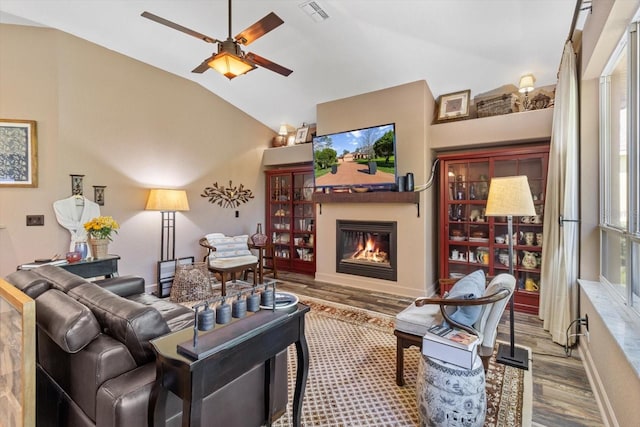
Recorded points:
(228, 247)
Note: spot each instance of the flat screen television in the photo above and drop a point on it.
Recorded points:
(363, 158)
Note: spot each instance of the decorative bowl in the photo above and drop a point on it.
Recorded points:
(360, 189)
(74, 256)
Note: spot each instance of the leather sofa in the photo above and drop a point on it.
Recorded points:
(96, 367)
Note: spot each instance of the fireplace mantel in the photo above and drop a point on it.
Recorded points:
(369, 197)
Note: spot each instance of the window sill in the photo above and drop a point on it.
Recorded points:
(623, 325)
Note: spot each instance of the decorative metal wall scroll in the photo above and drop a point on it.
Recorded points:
(229, 197)
(76, 185)
(98, 194)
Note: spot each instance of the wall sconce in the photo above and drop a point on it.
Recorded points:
(168, 202)
(526, 85)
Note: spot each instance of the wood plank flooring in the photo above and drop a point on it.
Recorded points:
(562, 395)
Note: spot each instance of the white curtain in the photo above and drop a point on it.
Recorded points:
(558, 290)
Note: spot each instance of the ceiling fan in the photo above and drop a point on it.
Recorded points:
(230, 60)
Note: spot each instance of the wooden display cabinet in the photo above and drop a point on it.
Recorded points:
(469, 240)
(290, 216)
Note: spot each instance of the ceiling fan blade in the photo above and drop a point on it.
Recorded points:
(178, 27)
(269, 65)
(259, 29)
(204, 66)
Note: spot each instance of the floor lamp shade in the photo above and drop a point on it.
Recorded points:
(510, 196)
(168, 202)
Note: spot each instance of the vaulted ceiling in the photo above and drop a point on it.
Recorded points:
(363, 46)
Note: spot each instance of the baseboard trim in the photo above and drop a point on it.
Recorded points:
(602, 399)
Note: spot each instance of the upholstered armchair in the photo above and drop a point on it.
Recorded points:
(412, 323)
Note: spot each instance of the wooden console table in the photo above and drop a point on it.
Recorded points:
(225, 353)
(107, 267)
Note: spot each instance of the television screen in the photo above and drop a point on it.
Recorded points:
(356, 158)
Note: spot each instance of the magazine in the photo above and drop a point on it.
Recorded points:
(452, 336)
(451, 345)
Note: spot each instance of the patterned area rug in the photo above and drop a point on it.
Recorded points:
(351, 378)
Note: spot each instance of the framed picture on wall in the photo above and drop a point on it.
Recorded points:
(18, 153)
(454, 105)
(301, 135)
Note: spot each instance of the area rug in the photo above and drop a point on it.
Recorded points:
(351, 379)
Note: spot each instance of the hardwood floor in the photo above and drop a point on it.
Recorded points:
(562, 395)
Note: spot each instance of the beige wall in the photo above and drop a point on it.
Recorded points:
(131, 127)
(513, 128)
(408, 106)
(616, 385)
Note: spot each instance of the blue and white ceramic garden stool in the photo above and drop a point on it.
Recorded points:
(449, 395)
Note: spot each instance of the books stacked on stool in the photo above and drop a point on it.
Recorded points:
(451, 381)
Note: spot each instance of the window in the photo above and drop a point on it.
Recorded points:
(619, 165)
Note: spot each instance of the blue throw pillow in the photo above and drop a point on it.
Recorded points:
(470, 286)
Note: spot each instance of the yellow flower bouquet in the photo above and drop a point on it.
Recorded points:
(101, 227)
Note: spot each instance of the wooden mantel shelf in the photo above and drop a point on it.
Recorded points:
(369, 197)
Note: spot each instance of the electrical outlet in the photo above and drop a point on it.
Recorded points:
(586, 327)
(586, 322)
(35, 220)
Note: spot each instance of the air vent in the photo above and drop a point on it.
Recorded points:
(314, 10)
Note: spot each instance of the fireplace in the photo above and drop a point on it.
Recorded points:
(367, 248)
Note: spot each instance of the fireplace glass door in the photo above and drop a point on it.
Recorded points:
(366, 248)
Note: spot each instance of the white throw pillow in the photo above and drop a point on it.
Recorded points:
(228, 247)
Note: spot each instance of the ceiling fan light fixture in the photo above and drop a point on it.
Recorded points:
(230, 65)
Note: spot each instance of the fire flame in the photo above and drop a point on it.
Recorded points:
(370, 252)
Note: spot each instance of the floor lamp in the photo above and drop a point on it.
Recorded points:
(511, 196)
(168, 202)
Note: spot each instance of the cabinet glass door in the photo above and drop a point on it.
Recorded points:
(304, 217)
(281, 215)
(468, 227)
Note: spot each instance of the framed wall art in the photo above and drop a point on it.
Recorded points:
(18, 153)
(301, 135)
(454, 105)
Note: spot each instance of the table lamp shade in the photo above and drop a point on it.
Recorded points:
(167, 200)
(510, 195)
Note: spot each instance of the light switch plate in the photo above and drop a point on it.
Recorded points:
(35, 220)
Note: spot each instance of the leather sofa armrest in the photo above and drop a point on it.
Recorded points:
(29, 282)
